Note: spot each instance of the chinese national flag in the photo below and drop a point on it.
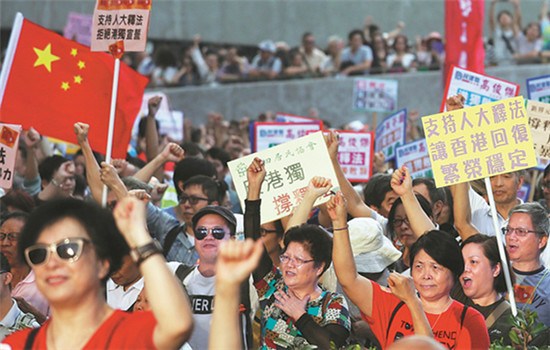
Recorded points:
(54, 82)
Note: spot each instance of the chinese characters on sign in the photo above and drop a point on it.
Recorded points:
(267, 135)
(538, 89)
(9, 141)
(477, 88)
(479, 142)
(290, 167)
(355, 152)
(391, 134)
(291, 118)
(415, 157)
(374, 95)
(122, 20)
(539, 120)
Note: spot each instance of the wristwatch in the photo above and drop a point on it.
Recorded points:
(140, 254)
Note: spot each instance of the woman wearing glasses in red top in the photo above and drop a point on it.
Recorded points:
(72, 247)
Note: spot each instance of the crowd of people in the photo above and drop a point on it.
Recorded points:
(365, 51)
(391, 264)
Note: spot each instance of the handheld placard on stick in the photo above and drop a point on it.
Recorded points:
(117, 49)
(501, 251)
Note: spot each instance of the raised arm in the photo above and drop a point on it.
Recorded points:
(172, 152)
(164, 292)
(255, 175)
(401, 183)
(92, 168)
(492, 19)
(236, 260)
(355, 205)
(462, 211)
(151, 132)
(110, 178)
(356, 287)
(517, 17)
(317, 187)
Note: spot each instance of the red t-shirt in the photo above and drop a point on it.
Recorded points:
(122, 330)
(446, 327)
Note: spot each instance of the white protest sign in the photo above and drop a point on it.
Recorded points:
(414, 155)
(171, 122)
(289, 166)
(375, 95)
(355, 152)
(121, 20)
(477, 88)
(9, 141)
(539, 120)
(291, 118)
(391, 134)
(270, 134)
(538, 89)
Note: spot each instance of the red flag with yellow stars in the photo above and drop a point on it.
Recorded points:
(54, 82)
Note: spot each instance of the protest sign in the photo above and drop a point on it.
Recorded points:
(291, 118)
(538, 89)
(476, 88)
(290, 167)
(523, 192)
(539, 120)
(9, 141)
(391, 134)
(270, 134)
(355, 152)
(122, 20)
(479, 142)
(414, 155)
(79, 28)
(374, 95)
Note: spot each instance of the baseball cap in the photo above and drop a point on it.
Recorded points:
(218, 210)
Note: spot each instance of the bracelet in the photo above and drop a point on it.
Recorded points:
(140, 254)
(341, 228)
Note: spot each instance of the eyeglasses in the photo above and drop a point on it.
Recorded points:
(11, 236)
(264, 231)
(298, 262)
(399, 222)
(192, 199)
(67, 249)
(521, 232)
(545, 185)
(217, 232)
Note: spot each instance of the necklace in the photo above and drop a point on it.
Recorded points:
(441, 313)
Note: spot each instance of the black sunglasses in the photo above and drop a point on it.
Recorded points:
(217, 232)
(193, 200)
(67, 249)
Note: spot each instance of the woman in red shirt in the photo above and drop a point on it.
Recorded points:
(73, 247)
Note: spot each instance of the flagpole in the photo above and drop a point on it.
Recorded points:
(10, 53)
(108, 154)
(502, 253)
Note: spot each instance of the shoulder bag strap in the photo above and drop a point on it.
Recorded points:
(170, 238)
(30, 338)
(497, 312)
(394, 312)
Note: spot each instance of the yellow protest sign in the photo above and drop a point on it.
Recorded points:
(539, 120)
(478, 142)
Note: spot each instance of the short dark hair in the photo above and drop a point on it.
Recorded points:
(98, 222)
(219, 154)
(189, 167)
(192, 149)
(441, 247)
(489, 245)
(424, 204)
(376, 189)
(142, 126)
(356, 32)
(50, 165)
(436, 194)
(17, 198)
(315, 240)
(213, 189)
(17, 215)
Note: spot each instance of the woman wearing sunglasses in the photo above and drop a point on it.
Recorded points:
(296, 311)
(72, 247)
